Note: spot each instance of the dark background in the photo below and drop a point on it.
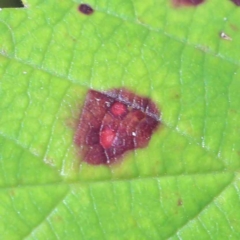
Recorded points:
(10, 3)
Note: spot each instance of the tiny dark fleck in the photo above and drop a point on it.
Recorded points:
(112, 123)
(179, 3)
(180, 203)
(236, 2)
(85, 9)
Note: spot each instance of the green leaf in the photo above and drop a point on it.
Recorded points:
(184, 185)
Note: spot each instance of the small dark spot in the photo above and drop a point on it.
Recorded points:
(112, 123)
(85, 9)
(179, 3)
(179, 203)
(236, 2)
(176, 96)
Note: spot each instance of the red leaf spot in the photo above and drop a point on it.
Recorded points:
(103, 135)
(236, 2)
(179, 3)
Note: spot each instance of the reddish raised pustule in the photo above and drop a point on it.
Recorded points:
(107, 137)
(118, 109)
(112, 123)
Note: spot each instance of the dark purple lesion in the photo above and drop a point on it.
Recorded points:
(85, 9)
(179, 3)
(236, 2)
(112, 123)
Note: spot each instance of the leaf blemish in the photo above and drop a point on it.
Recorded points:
(234, 27)
(224, 36)
(179, 3)
(236, 2)
(112, 123)
(85, 9)
(180, 202)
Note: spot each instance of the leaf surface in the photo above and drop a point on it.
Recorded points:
(184, 185)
